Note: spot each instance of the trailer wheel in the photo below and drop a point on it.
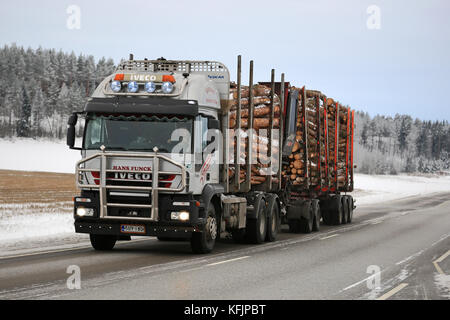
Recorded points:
(350, 209)
(102, 242)
(273, 221)
(306, 224)
(345, 212)
(336, 211)
(204, 242)
(257, 228)
(326, 216)
(316, 215)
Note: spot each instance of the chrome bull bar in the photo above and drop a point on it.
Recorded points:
(103, 186)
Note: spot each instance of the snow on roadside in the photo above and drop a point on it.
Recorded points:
(372, 189)
(31, 226)
(28, 154)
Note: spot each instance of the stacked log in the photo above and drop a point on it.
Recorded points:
(264, 160)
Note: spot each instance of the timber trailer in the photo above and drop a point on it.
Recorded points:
(173, 149)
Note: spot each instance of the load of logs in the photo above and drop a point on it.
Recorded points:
(264, 161)
(311, 163)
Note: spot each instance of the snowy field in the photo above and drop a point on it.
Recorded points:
(43, 226)
(37, 155)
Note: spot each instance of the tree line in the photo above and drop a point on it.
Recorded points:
(388, 145)
(40, 88)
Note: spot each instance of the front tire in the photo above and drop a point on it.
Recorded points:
(102, 242)
(204, 242)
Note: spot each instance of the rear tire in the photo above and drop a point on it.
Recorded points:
(336, 211)
(204, 242)
(306, 224)
(344, 201)
(102, 242)
(257, 228)
(316, 215)
(273, 221)
(350, 209)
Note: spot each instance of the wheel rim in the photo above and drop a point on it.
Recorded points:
(211, 228)
(274, 223)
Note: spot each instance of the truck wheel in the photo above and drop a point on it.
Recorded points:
(204, 242)
(336, 211)
(350, 209)
(316, 215)
(273, 221)
(102, 242)
(306, 224)
(257, 228)
(344, 201)
(326, 215)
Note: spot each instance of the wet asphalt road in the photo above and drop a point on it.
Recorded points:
(394, 250)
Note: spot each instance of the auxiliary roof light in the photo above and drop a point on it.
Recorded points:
(150, 87)
(167, 87)
(133, 87)
(116, 86)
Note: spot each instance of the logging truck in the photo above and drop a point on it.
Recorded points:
(174, 149)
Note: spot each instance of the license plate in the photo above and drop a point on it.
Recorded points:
(132, 228)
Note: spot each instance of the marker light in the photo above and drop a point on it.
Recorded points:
(168, 78)
(167, 87)
(150, 87)
(133, 87)
(116, 86)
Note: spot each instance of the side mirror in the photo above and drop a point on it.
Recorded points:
(71, 130)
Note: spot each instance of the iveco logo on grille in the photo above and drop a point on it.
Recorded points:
(133, 176)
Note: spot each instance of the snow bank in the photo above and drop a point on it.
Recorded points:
(37, 155)
(372, 189)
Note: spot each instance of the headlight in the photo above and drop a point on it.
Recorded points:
(116, 86)
(150, 87)
(167, 87)
(85, 212)
(133, 87)
(182, 215)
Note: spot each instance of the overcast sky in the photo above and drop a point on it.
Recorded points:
(333, 46)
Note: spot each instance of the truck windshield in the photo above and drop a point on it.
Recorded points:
(138, 133)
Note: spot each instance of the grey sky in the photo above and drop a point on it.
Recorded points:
(403, 67)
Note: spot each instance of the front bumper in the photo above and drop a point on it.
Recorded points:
(164, 226)
(150, 229)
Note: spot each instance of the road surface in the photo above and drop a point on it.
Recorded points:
(392, 250)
